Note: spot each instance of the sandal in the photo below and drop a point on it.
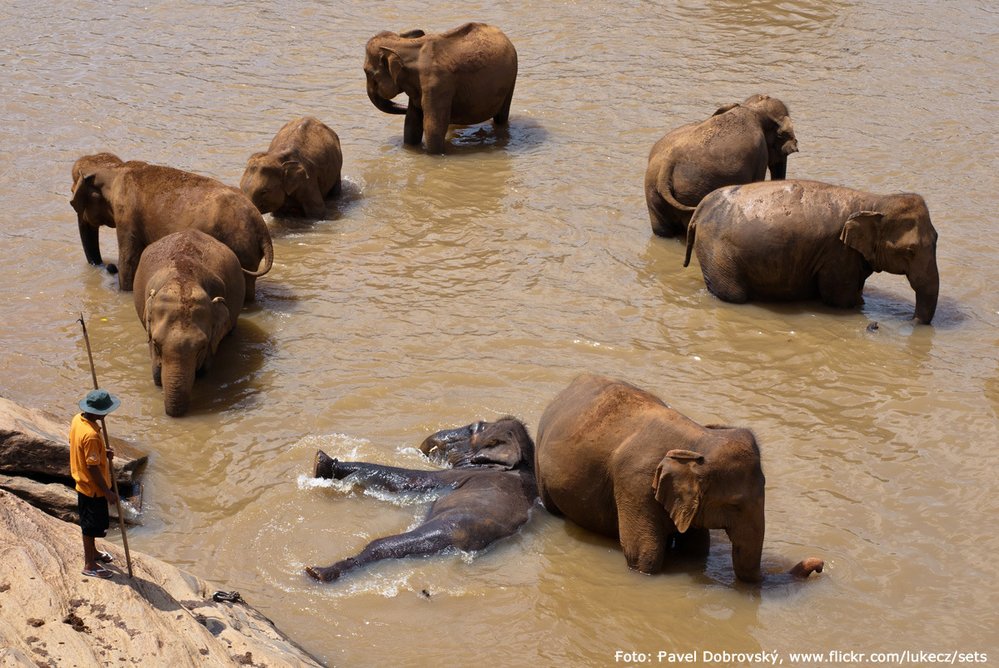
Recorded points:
(102, 573)
(104, 557)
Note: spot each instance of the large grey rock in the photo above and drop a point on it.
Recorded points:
(51, 615)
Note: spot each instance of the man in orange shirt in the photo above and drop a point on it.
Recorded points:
(89, 462)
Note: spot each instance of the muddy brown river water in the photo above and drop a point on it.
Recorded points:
(442, 290)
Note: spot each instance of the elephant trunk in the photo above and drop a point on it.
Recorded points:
(178, 382)
(747, 547)
(388, 106)
(927, 291)
(90, 240)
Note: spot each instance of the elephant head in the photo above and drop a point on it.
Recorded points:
(92, 174)
(270, 177)
(386, 66)
(184, 325)
(504, 444)
(775, 120)
(900, 239)
(721, 488)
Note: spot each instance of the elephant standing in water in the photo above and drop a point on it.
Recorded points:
(796, 240)
(736, 145)
(486, 495)
(144, 203)
(189, 290)
(463, 76)
(299, 170)
(618, 461)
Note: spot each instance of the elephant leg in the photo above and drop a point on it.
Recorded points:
(412, 132)
(251, 288)
(837, 290)
(336, 189)
(388, 478)
(694, 542)
(502, 116)
(127, 264)
(778, 170)
(436, 118)
(431, 538)
(312, 203)
(640, 528)
(661, 216)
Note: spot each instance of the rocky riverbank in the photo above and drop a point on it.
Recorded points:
(52, 615)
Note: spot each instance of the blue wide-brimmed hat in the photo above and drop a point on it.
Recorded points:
(99, 402)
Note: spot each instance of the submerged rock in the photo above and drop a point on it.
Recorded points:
(52, 615)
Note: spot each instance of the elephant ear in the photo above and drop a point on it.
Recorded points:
(148, 315)
(294, 174)
(679, 486)
(502, 454)
(725, 107)
(220, 321)
(83, 190)
(860, 232)
(393, 61)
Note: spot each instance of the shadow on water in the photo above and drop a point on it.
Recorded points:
(520, 135)
(231, 381)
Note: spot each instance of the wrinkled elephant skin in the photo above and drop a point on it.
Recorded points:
(485, 496)
(144, 203)
(463, 76)
(189, 290)
(801, 240)
(298, 172)
(617, 461)
(738, 144)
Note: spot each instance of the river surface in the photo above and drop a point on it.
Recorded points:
(443, 290)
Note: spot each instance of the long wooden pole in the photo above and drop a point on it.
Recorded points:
(107, 444)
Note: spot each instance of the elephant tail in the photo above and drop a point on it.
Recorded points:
(691, 233)
(267, 246)
(667, 192)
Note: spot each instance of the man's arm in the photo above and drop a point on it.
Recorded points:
(98, 477)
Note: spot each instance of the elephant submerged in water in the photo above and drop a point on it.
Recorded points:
(797, 240)
(189, 291)
(144, 203)
(487, 494)
(738, 144)
(462, 76)
(299, 170)
(618, 461)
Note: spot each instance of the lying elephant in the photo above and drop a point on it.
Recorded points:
(618, 461)
(736, 145)
(146, 202)
(299, 170)
(189, 291)
(487, 494)
(462, 76)
(798, 240)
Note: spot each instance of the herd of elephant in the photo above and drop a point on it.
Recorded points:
(609, 456)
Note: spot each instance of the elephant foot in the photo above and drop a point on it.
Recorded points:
(323, 465)
(327, 574)
(806, 567)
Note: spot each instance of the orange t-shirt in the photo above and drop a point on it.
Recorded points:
(86, 448)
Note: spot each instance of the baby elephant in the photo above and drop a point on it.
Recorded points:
(299, 171)
(796, 240)
(189, 290)
(735, 145)
(486, 495)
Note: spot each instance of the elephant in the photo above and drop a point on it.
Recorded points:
(463, 76)
(734, 146)
(145, 202)
(486, 495)
(798, 240)
(299, 170)
(617, 461)
(189, 290)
